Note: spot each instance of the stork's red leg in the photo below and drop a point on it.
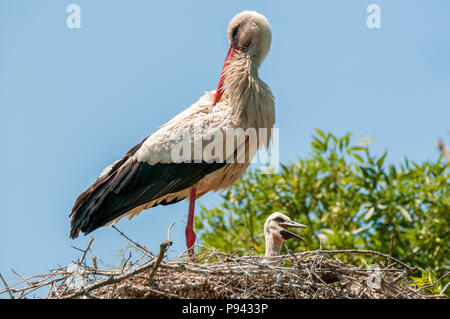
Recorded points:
(190, 235)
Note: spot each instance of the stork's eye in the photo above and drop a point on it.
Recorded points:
(235, 31)
(279, 219)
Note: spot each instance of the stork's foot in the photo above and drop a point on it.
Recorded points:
(190, 241)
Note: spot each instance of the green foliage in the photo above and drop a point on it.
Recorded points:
(348, 198)
(428, 281)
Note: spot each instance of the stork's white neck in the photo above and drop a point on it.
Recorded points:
(273, 246)
(251, 99)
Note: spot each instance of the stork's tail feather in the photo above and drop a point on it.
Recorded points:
(103, 201)
(131, 184)
(80, 212)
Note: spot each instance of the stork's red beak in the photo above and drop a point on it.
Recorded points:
(220, 89)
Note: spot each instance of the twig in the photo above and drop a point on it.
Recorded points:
(135, 243)
(250, 231)
(168, 231)
(391, 247)
(163, 247)
(444, 150)
(6, 286)
(445, 288)
(86, 250)
(19, 276)
(167, 294)
(162, 251)
(126, 261)
(358, 251)
(77, 248)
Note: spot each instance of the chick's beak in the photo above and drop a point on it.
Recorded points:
(286, 234)
(292, 224)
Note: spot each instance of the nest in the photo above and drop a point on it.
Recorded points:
(312, 274)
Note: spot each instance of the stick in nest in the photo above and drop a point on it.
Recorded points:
(163, 247)
(85, 291)
(134, 243)
(6, 286)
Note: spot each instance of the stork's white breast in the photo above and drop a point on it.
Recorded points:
(199, 120)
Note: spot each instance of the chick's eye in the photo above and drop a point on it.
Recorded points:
(235, 31)
(279, 219)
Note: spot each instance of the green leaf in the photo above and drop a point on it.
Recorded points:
(322, 134)
(359, 158)
(381, 160)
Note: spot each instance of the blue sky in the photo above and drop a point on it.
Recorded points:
(74, 100)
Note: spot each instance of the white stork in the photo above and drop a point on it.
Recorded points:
(148, 175)
(276, 231)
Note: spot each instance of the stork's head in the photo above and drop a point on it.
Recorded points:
(249, 31)
(249, 35)
(277, 227)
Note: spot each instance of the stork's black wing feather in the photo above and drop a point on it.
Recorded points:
(130, 184)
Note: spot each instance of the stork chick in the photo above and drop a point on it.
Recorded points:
(276, 231)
